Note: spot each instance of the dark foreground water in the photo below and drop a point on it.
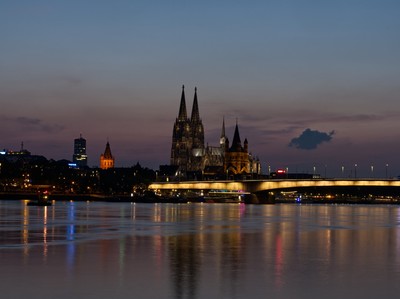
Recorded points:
(124, 250)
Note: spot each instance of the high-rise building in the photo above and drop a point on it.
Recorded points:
(107, 160)
(79, 157)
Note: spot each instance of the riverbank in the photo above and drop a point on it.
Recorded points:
(146, 198)
(152, 198)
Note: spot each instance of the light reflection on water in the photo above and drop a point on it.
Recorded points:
(121, 250)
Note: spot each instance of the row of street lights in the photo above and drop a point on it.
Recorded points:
(372, 168)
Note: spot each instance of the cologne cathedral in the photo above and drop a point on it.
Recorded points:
(190, 155)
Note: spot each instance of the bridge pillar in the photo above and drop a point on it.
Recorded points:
(264, 197)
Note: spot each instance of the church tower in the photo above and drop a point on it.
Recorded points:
(181, 137)
(197, 131)
(236, 156)
(107, 159)
(196, 125)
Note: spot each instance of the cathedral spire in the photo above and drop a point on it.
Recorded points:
(195, 110)
(222, 139)
(223, 127)
(182, 107)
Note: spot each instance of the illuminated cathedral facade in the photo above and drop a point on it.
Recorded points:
(189, 153)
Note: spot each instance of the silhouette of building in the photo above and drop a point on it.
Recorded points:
(79, 157)
(107, 159)
(237, 159)
(187, 138)
(21, 152)
(23, 156)
(192, 158)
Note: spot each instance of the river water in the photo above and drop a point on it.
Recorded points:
(125, 250)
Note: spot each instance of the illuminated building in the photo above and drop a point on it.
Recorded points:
(188, 138)
(21, 152)
(189, 155)
(107, 159)
(23, 156)
(80, 157)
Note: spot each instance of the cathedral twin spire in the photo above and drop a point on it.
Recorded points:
(195, 117)
(187, 136)
(188, 152)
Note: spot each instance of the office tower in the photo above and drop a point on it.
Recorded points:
(80, 157)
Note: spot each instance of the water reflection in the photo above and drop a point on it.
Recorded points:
(201, 250)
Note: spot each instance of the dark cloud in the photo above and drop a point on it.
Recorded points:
(35, 124)
(309, 139)
(71, 81)
(26, 121)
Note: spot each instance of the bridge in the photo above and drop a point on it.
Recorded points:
(264, 189)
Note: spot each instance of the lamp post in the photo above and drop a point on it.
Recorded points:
(387, 165)
(372, 171)
(355, 171)
(342, 171)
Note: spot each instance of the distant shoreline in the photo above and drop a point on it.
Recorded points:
(90, 197)
(156, 199)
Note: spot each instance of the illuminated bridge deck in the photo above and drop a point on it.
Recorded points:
(255, 186)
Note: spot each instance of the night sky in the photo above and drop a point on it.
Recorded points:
(311, 82)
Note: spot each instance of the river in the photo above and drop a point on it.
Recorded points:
(126, 250)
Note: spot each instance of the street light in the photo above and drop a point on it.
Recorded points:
(355, 171)
(342, 171)
(372, 171)
(387, 165)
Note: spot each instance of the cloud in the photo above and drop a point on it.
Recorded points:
(310, 139)
(71, 81)
(34, 124)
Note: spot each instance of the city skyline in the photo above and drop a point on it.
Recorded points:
(311, 84)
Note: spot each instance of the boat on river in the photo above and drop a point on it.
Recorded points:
(43, 199)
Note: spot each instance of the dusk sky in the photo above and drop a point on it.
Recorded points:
(311, 82)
